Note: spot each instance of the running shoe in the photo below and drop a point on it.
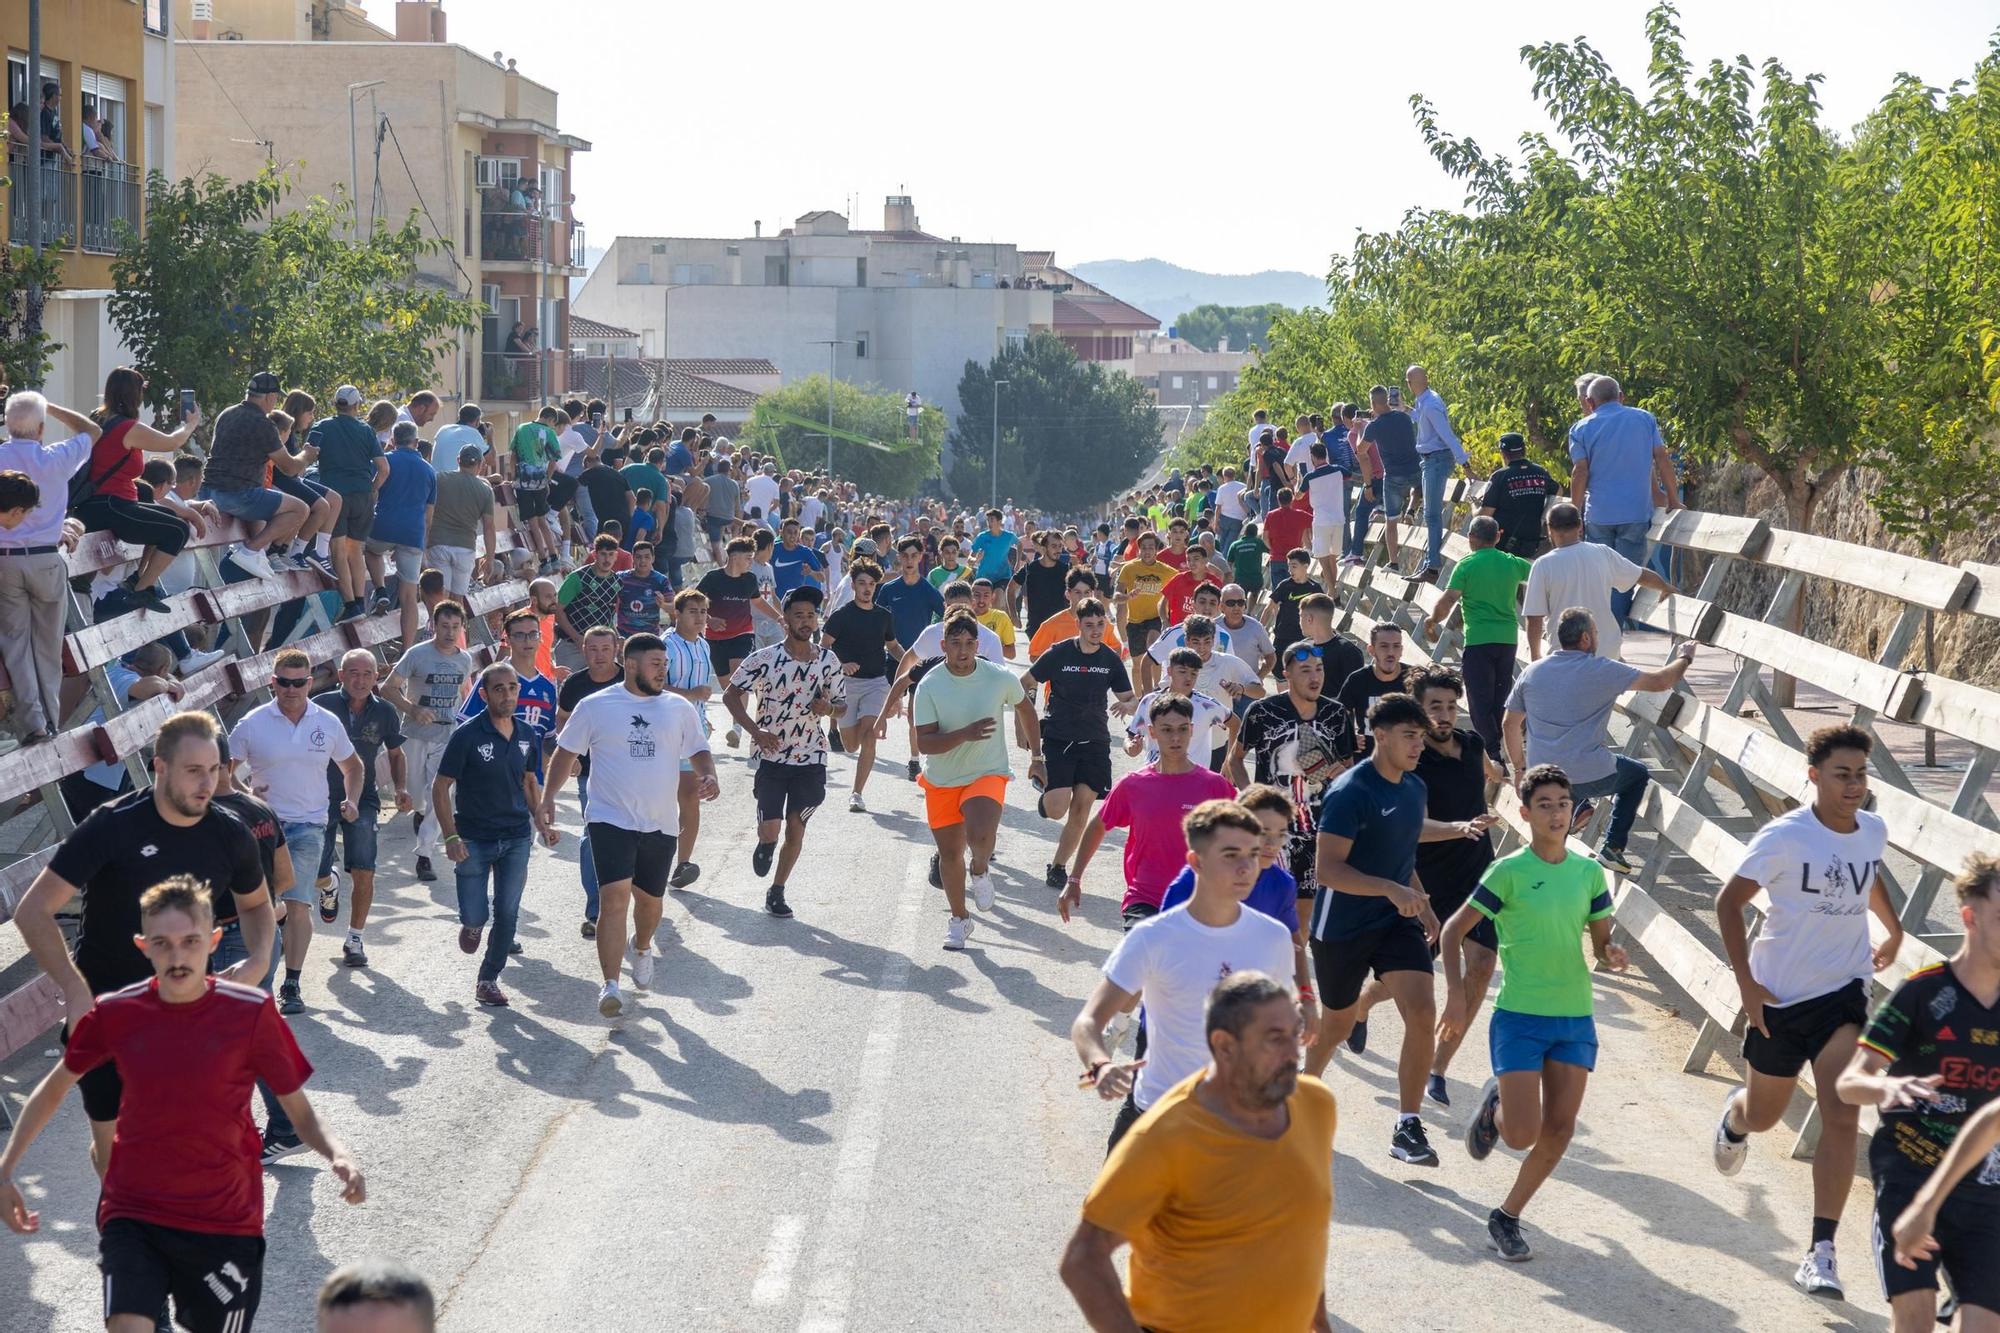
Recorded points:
(735, 738)
(289, 999)
(937, 875)
(955, 931)
(642, 969)
(201, 661)
(146, 599)
(609, 1002)
(329, 897)
(833, 741)
(1729, 1153)
(353, 955)
(425, 873)
(489, 993)
(1614, 858)
(1357, 1037)
(1409, 1144)
(1056, 877)
(322, 564)
(589, 929)
(774, 901)
(1503, 1233)
(277, 1147)
(253, 563)
(686, 873)
(1817, 1275)
(760, 860)
(1579, 818)
(915, 768)
(1482, 1131)
(855, 805)
(515, 948)
(468, 938)
(982, 891)
(1435, 1090)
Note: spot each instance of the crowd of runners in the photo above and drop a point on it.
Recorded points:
(1307, 819)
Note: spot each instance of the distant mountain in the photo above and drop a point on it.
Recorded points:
(1167, 291)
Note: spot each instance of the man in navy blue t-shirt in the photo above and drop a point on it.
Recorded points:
(909, 598)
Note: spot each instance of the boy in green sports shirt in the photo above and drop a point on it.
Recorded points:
(1489, 581)
(1541, 899)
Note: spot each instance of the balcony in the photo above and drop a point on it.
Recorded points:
(58, 203)
(110, 204)
(512, 378)
(107, 192)
(577, 256)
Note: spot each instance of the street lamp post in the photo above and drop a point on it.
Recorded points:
(995, 501)
(832, 346)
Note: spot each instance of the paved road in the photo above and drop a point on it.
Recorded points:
(831, 1123)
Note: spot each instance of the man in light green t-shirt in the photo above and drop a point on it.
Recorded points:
(535, 448)
(960, 715)
(1489, 581)
(1541, 900)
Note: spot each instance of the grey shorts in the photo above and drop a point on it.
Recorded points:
(864, 699)
(409, 559)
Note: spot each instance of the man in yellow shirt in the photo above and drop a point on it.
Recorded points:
(1224, 1189)
(1140, 583)
(993, 617)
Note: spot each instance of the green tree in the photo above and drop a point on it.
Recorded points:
(1206, 325)
(24, 348)
(222, 285)
(1071, 435)
(890, 464)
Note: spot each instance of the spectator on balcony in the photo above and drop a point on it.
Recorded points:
(403, 508)
(518, 341)
(102, 144)
(352, 465)
(33, 576)
(105, 495)
(463, 511)
(322, 503)
(244, 441)
(17, 129)
(53, 147)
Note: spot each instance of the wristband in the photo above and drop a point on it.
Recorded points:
(1306, 992)
(453, 837)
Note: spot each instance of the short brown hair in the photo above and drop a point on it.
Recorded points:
(516, 617)
(292, 657)
(1542, 775)
(687, 597)
(1982, 871)
(1822, 743)
(1208, 818)
(181, 893)
(1261, 796)
(189, 725)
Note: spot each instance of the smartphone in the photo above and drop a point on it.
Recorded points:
(1395, 396)
(187, 403)
(597, 418)
(628, 416)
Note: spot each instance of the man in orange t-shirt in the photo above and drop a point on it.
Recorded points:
(1080, 583)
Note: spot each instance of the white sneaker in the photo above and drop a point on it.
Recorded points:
(982, 892)
(609, 1002)
(1817, 1275)
(642, 968)
(201, 661)
(252, 562)
(855, 805)
(1729, 1153)
(955, 931)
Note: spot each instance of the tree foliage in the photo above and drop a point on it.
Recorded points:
(896, 471)
(1206, 325)
(25, 349)
(224, 284)
(1070, 435)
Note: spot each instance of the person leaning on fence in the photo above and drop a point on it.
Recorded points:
(105, 496)
(33, 574)
(1562, 704)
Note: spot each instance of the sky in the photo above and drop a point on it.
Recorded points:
(1228, 138)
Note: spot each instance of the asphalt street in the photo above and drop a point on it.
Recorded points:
(831, 1123)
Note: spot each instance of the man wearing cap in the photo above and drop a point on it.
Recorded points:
(351, 463)
(798, 684)
(464, 511)
(244, 441)
(1517, 496)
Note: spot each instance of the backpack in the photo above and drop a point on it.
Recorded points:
(83, 482)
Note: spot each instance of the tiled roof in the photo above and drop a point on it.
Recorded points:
(723, 365)
(638, 381)
(1100, 312)
(579, 327)
(684, 392)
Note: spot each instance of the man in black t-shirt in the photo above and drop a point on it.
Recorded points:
(120, 850)
(1394, 436)
(1517, 496)
(863, 636)
(1930, 1059)
(1074, 768)
(1039, 582)
(1382, 674)
(1302, 740)
(371, 724)
(1286, 596)
(602, 670)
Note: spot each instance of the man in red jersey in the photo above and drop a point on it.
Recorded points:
(182, 1208)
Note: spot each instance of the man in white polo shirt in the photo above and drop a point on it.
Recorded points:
(287, 745)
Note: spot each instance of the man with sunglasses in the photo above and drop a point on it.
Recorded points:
(1246, 636)
(1302, 739)
(287, 745)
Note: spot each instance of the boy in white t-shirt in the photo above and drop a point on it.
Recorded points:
(1805, 981)
(1214, 721)
(1325, 485)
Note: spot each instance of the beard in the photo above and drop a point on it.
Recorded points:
(640, 685)
(187, 806)
(1278, 1087)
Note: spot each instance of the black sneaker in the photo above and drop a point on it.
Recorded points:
(352, 610)
(833, 741)
(148, 599)
(937, 876)
(1357, 1038)
(1056, 877)
(1435, 1090)
(329, 898)
(1409, 1144)
(1482, 1133)
(353, 955)
(774, 901)
(424, 871)
(277, 1147)
(289, 999)
(1615, 858)
(589, 929)
(1503, 1233)
(915, 768)
(516, 949)
(686, 873)
(760, 860)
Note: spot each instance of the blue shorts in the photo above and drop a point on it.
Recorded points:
(1520, 1043)
(305, 842)
(254, 504)
(358, 837)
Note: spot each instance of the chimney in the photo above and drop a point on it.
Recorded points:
(899, 214)
(201, 15)
(419, 21)
(757, 228)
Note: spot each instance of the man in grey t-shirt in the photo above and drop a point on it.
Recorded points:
(427, 686)
(1563, 705)
(724, 495)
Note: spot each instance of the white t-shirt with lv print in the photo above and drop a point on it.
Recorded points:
(1815, 936)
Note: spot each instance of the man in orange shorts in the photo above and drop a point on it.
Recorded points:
(959, 711)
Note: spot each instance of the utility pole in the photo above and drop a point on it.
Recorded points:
(353, 155)
(995, 501)
(832, 346)
(31, 196)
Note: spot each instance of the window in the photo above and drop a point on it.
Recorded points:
(861, 345)
(156, 17)
(1211, 381)
(104, 99)
(659, 247)
(1177, 381)
(1014, 337)
(642, 272)
(495, 171)
(774, 272)
(860, 272)
(552, 192)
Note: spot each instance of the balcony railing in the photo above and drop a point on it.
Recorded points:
(507, 377)
(58, 202)
(110, 204)
(577, 257)
(511, 235)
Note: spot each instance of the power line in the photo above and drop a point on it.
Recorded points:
(221, 87)
(450, 249)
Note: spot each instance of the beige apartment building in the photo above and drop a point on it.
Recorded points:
(402, 119)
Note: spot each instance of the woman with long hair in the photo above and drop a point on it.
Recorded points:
(322, 502)
(105, 497)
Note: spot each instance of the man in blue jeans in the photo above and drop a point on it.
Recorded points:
(1563, 704)
(1619, 463)
(1439, 450)
(489, 829)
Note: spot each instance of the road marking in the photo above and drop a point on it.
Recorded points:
(843, 1228)
(781, 1256)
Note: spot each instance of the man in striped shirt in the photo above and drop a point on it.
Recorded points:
(691, 675)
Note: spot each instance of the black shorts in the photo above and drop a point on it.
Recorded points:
(1799, 1032)
(1138, 912)
(1967, 1233)
(724, 654)
(644, 858)
(102, 1089)
(1139, 636)
(1342, 966)
(531, 503)
(794, 790)
(1079, 764)
(562, 489)
(297, 487)
(357, 515)
(919, 670)
(1482, 933)
(215, 1280)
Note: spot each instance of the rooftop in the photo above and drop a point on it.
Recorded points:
(1099, 312)
(579, 327)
